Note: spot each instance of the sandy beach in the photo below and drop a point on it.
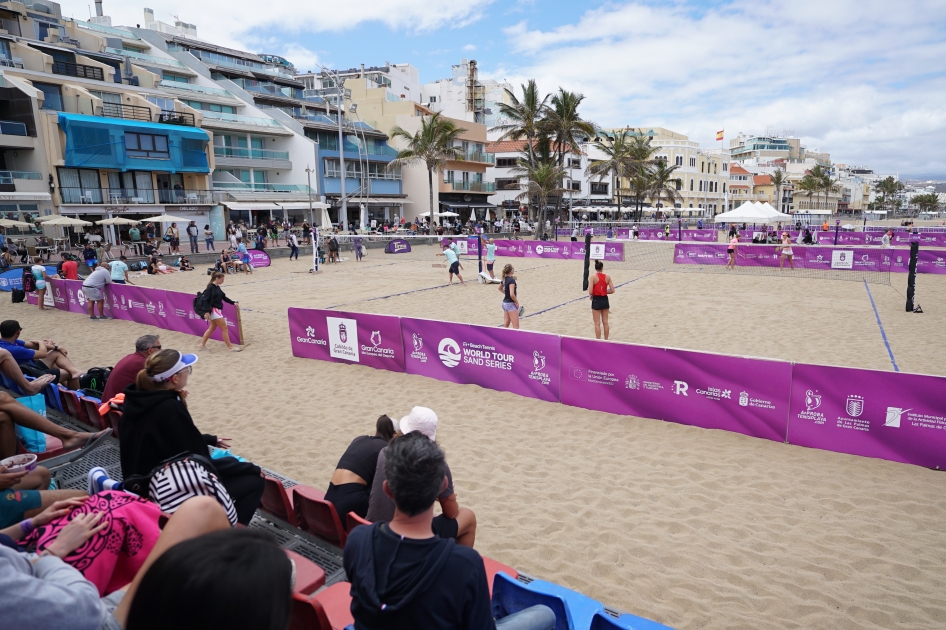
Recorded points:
(689, 527)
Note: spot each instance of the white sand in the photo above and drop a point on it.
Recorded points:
(693, 528)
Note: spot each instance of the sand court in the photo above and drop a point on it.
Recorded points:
(693, 528)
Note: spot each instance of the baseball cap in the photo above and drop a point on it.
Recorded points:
(420, 419)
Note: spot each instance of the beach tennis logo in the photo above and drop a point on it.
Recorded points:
(449, 352)
(854, 406)
(893, 416)
(538, 365)
(342, 338)
(418, 342)
(81, 297)
(812, 400)
(539, 249)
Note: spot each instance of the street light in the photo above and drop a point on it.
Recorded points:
(340, 106)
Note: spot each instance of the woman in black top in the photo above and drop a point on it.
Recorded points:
(351, 483)
(156, 425)
(215, 319)
(511, 308)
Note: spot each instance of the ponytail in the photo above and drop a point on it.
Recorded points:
(506, 271)
(214, 277)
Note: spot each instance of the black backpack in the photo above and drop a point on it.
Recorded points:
(202, 302)
(18, 295)
(29, 281)
(93, 381)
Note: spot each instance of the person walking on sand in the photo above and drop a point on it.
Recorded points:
(786, 248)
(731, 250)
(510, 298)
(599, 289)
(454, 262)
(215, 318)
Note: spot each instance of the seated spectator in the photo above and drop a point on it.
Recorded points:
(38, 358)
(51, 594)
(5, 260)
(126, 370)
(454, 521)
(150, 249)
(156, 425)
(184, 264)
(351, 482)
(119, 271)
(69, 268)
(11, 369)
(159, 266)
(36, 479)
(404, 576)
(13, 413)
(88, 255)
(23, 495)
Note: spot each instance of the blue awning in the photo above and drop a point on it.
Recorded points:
(181, 131)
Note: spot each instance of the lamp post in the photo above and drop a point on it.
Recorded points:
(340, 105)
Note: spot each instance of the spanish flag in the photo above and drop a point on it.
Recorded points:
(719, 136)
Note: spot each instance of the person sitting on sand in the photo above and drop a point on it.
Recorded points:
(454, 522)
(351, 482)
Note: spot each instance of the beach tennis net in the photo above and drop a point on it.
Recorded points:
(822, 263)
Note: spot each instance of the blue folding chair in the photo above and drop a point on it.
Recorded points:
(510, 596)
(627, 621)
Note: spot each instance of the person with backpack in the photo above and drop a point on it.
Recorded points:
(209, 305)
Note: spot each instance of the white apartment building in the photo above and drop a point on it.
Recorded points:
(465, 96)
(400, 81)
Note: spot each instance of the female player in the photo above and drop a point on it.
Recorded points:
(510, 299)
(787, 252)
(490, 254)
(731, 250)
(600, 287)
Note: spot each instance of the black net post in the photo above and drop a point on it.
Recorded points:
(911, 276)
(584, 283)
(837, 228)
(479, 252)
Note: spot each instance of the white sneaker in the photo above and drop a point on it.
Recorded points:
(98, 480)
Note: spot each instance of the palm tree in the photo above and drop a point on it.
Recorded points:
(432, 145)
(617, 150)
(809, 186)
(544, 180)
(565, 126)
(526, 116)
(888, 189)
(927, 202)
(663, 185)
(641, 165)
(822, 177)
(779, 180)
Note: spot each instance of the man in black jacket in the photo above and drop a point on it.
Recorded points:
(404, 576)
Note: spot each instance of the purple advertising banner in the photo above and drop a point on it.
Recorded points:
(654, 234)
(805, 257)
(182, 318)
(563, 250)
(372, 340)
(889, 415)
(748, 396)
(259, 258)
(525, 363)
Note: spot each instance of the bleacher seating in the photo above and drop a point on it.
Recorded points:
(277, 501)
(317, 516)
(354, 521)
(328, 609)
(511, 596)
(603, 621)
(72, 404)
(310, 577)
(493, 567)
(91, 407)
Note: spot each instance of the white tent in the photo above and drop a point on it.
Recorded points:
(752, 213)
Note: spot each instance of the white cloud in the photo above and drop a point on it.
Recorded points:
(851, 77)
(469, 48)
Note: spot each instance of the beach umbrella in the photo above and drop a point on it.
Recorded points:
(67, 221)
(166, 218)
(117, 221)
(11, 223)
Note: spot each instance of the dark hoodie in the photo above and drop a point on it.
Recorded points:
(407, 583)
(155, 426)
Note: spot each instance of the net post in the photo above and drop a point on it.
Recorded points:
(911, 276)
(584, 285)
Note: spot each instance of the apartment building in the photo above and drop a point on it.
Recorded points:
(465, 96)
(771, 147)
(462, 187)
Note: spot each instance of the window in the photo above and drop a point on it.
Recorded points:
(433, 99)
(52, 97)
(447, 176)
(131, 185)
(574, 162)
(167, 76)
(506, 162)
(507, 184)
(599, 188)
(725, 167)
(724, 188)
(679, 185)
(702, 166)
(107, 97)
(575, 186)
(692, 163)
(691, 186)
(166, 104)
(679, 160)
(147, 145)
(466, 176)
(701, 186)
(79, 186)
(332, 169)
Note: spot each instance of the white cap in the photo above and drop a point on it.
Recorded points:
(420, 419)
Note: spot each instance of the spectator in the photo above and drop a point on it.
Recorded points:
(402, 575)
(351, 482)
(184, 265)
(88, 255)
(293, 245)
(244, 256)
(333, 249)
(885, 240)
(126, 370)
(149, 231)
(134, 234)
(70, 269)
(13, 413)
(306, 232)
(6, 261)
(156, 425)
(192, 233)
(454, 522)
(12, 371)
(40, 277)
(38, 358)
(119, 271)
(173, 237)
(94, 289)
(209, 238)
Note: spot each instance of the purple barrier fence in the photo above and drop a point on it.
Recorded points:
(748, 396)
(563, 250)
(806, 257)
(654, 234)
(168, 310)
(372, 340)
(889, 415)
(525, 363)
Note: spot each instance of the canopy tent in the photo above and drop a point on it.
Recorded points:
(752, 213)
(446, 214)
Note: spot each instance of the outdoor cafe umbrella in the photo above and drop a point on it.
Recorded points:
(11, 223)
(48, 217)
(117, 221)
(165, 218)
(67, 221)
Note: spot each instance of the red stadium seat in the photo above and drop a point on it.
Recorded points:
(493, 567)
(310, 577)
(329, 609)
(277, 501)
(317, 516)
(114, 418)
(354, 521)
(91, 407)
(72, 405)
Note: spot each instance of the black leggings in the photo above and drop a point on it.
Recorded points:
(244, 485)
(348, 497)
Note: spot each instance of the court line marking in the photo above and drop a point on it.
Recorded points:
(882, 333)
(585, 297)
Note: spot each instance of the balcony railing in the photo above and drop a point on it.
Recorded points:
(10, 128)
(474, 186)
(148, 59)
(78, 70)
(169, 117)
(258, 187)
(201, 89)
(242, 120)
(7, 177)
(130, 196)
(117, 32)
(128, 112)
(476, 156)
(15, 62)
(250, 154)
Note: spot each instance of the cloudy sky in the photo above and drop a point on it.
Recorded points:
(864, 80)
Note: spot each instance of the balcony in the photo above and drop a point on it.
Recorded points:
(261, 187)
(239, 157)
(219, 120)
(10, 128)
(78, 70)
(476, 156)
(193, 90)
(127, 112)
(145, 60)
(483, 187)
(15, 62)
(169, 117)
(130, 196)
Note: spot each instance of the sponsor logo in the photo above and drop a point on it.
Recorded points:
(632, 382)
(309, 331)
(150, 308)
(812, 400)
(680, 387)
(597, 251)
(539, 249)
(376, 338)
(81, 297)
(418, 342)
(375, 349)
(893, 416)
(842, 260)
(449, 352)
(342, 333)
(854, 406)
(538, 365)
(343, 338)
(576, 373)
(398, 246)
(743, 399)
(161, 312)
(311, 338)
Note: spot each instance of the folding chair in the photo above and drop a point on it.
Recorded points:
(114, 419)
(277, 501)
(329, 609)
(627, 621)
(318, 516)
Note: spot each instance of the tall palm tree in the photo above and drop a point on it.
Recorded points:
(544, 180)
(779, 180)
(663, 184)
(808, 185)
(926, 202)
(641, 165)
(617, 149)
(526, 117)
(822, 176)
(566, 127)
(432, 146)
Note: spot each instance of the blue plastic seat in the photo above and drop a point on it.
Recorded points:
(573, 611)
(51, 392)
(581, 608)
(627, 621)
